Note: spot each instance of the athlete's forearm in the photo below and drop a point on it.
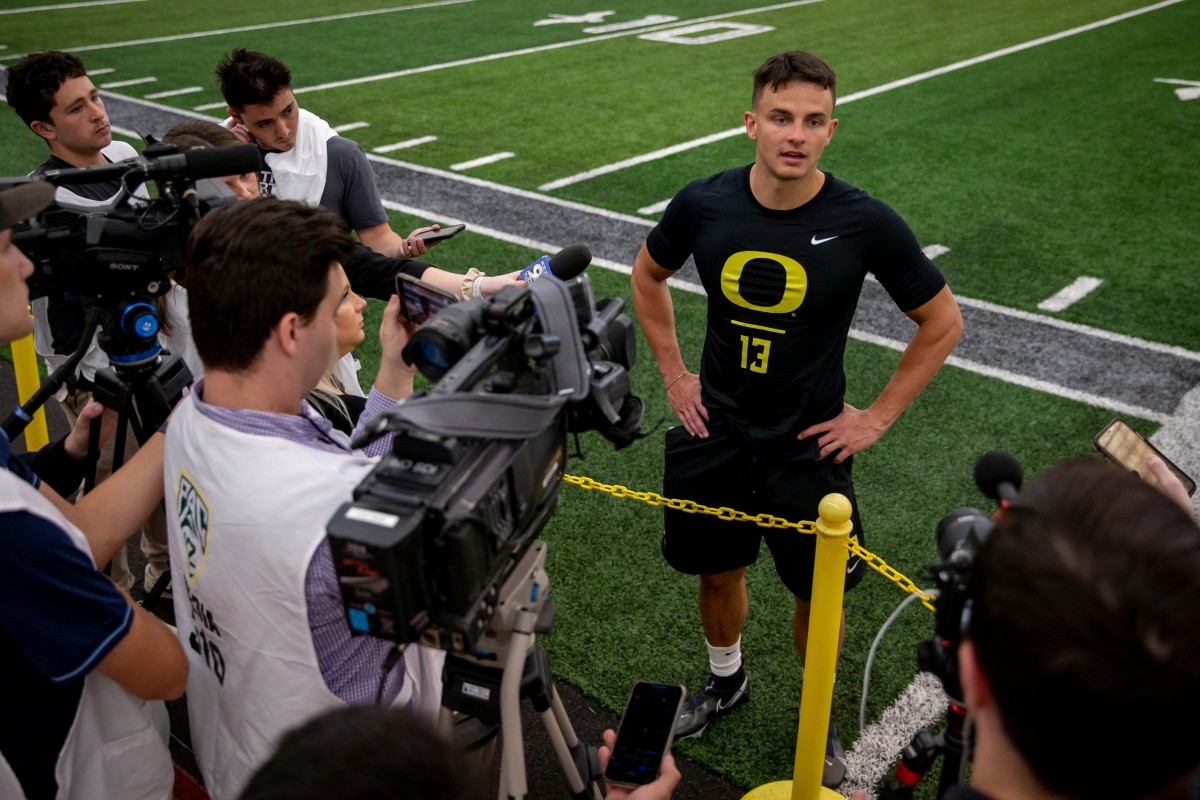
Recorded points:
(939, 326)
(656, 315)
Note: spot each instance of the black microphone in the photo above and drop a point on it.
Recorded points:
(217, 162)
(197, 163)
(564, 265)
(998, 475)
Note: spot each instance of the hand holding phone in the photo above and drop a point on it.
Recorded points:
(645, 734)
(441, 233)
(1124, 446)
(419, 300)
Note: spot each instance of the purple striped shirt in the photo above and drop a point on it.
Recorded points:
(349, 664)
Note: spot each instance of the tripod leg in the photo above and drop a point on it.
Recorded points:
(512, 769)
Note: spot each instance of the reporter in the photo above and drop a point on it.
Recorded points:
(255, 473)
(1083, 639)
(56, 99)
(306, 160)
(81, 660)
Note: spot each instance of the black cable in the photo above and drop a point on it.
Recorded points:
(389, 664)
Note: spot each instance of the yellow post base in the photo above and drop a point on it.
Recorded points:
(782, 790)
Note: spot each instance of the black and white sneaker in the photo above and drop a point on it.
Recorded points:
(835, 760)
(718, 696)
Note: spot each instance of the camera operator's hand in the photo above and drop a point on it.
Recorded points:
(76, 443)
(1169, 484)
(660, 789)
(395, 377)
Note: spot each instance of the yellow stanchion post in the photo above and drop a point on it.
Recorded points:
(28, 381)
(824, 626)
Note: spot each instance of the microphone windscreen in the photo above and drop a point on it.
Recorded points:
(215, 162)
(994, 469)
(569, 262)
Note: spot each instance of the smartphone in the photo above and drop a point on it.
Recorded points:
(1126, 447)
(419, 300)
(645, 734)
(442, 233)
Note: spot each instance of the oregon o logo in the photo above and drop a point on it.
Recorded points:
(794, 288)
(192, 510)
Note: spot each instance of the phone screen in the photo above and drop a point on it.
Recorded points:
(1128, 448)
(647, 728)
(418, 300)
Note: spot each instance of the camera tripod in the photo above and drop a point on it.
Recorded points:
(141, 390)
(492, 686)
(923, 750)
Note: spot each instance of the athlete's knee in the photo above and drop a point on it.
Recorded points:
(723, 581)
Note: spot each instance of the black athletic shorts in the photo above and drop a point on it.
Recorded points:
(716, 472)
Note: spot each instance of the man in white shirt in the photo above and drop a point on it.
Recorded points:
(53, 95)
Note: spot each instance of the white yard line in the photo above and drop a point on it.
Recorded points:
(524, 51)
(1068, 296)
(244, 28)
(850, 98)
(351, 126)
(130, 82)
(407, 143)
(61, 6)
(481, 161)
(175, 92)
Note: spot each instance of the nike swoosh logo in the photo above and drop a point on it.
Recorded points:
(850, 567)
(815, 240)
(722, 705)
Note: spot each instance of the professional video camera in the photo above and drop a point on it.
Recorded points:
(959, 537)
(117, 256)
(437, 528)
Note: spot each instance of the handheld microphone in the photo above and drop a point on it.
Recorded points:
(998, 475)
(564, 265)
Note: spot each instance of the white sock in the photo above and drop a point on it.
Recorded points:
(724, 661)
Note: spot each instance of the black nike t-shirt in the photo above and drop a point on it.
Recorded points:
(782, 289)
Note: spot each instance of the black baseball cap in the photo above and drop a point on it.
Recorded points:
(22, 202)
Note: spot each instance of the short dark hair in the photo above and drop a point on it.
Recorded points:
(35, 79)
(250, 263)
(797, 65)
(200, 133)
(362, 753)
(1086, 625)
(250, 78)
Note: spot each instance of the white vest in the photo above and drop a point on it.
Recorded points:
(246, 513)
(117, 746)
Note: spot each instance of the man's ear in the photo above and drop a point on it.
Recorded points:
(977, 691)
(750, 122)
(44, 129)
(234, 115)
(286, 332)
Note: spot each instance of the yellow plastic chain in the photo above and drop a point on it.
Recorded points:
(764, 520)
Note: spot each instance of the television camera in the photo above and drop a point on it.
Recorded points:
(103, 264)
(440, 543)
(436, 529)
(959, 537)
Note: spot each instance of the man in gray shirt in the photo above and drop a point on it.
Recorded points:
(304, 159)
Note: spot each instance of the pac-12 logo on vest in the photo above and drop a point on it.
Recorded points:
(192, 510)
